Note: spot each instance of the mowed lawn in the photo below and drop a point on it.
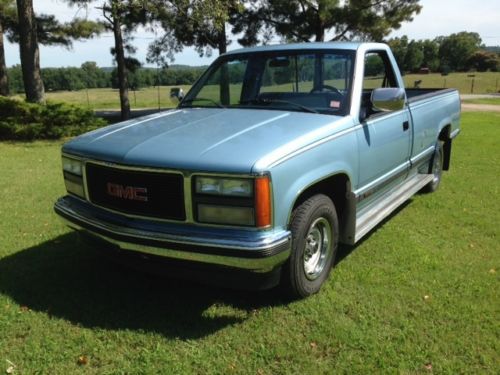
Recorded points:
(151, 97)
(420, 294)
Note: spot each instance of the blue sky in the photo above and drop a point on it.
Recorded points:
(438, 17)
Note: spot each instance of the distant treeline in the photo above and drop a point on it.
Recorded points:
(458, 52)
(89, 75)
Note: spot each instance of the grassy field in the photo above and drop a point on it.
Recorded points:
(490, 101)
(420, 294)
(484, 83)
(109, 99)
(148, 97)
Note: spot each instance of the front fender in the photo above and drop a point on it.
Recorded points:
(293, 176)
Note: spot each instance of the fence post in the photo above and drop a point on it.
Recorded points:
(473, 76)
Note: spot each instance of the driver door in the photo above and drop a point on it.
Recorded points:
(384, 138)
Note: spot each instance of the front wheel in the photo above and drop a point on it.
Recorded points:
(315, 232)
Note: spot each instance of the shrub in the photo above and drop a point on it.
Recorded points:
(20, 120)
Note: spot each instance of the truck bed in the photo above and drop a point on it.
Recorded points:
(414, 95)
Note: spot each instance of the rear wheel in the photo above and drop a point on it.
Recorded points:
(436, 169)
(315, 233)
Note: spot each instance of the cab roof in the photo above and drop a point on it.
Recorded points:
(350, 46)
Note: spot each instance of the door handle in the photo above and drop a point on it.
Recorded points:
(406, 125)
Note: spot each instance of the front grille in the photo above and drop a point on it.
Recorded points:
(151, 194)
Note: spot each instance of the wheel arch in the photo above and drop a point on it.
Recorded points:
(338, 188)
(445, 137)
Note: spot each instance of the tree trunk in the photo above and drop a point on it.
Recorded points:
(30, 54)
(121, 68)
(222, 42)
(224, 77)
(4, 81)
(319, 29)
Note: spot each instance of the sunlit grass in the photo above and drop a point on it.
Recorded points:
(420, 292)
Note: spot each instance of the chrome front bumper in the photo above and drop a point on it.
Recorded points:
(250, 251)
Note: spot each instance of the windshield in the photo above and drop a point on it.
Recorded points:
(306, 81)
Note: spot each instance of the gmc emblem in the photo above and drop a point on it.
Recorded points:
(127, 192)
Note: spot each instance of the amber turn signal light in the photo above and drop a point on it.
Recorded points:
(262, 202)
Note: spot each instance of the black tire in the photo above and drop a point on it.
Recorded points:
(436, 169)
(315, 232)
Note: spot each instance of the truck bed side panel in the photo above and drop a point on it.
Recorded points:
(430, 113)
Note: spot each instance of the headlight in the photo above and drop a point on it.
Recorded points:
(73, 172)
(224, 186)
(233, 201)
(72, 166)
(226, 215)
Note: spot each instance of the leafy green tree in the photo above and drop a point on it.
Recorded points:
(198, 23)
(304, 20)
(49, 31)
(456, 49)
(15, 78)
(121, 18)
(399, 47)
(483, 61)
(414, 56)
(430, 48)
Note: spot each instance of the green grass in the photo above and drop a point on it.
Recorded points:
(484, 83)
(490, 101)
(60, 300)
(109, 98)
(488, 82)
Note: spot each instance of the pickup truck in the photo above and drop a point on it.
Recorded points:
(275, 156)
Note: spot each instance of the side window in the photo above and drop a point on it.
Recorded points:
(378, 72)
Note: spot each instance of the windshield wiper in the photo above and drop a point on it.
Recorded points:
(278, 101)
(202, 100)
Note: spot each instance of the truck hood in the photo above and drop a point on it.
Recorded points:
(206, 139)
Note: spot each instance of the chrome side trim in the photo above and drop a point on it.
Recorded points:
(381, 208)
(419, 157)
(454, 133)
(382, 180)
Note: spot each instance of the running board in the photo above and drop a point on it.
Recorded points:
(373, 215)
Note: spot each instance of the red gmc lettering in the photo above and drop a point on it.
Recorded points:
(127, 192)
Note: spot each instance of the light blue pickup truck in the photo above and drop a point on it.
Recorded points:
(275, 156)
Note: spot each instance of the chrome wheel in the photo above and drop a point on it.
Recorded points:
(317, 248)
(315, 233)
(437, 167)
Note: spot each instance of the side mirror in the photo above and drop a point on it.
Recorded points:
(176, 94)
(388, 99)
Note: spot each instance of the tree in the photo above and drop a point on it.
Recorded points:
(7, 13)
(197, 23)
(414, 56)
(30, 54)
(399, 47)
(483, 61)
(431, 54)
(94, 76)
(304, 20)
(49, 30)
(456, 49)
(121, 18)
